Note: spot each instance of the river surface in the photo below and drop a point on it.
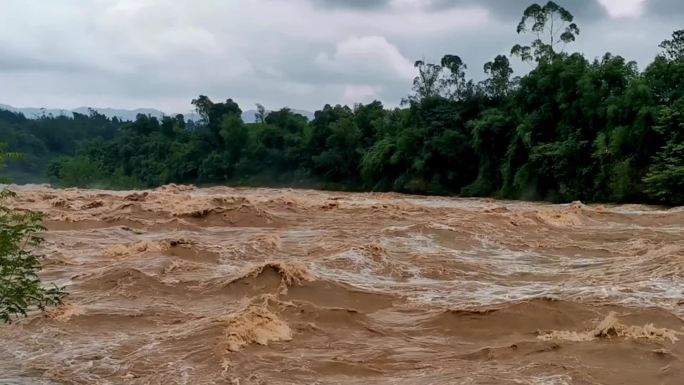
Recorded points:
(182, 285)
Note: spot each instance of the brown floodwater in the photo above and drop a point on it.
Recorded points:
(181, 285)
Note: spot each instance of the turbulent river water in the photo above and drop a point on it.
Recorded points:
(182, 285)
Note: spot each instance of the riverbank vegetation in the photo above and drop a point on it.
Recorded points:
(570, 129)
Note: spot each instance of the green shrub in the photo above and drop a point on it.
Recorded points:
(20, 288)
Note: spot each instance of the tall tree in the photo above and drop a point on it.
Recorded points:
(550, 25)
(454, 85)
(499, 82)
(261, 113)
(674, 47)
(428, 83)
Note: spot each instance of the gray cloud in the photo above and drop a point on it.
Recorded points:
(300, 53)
(667, 8)
(512, 8)
(352, 4)
(509, 9)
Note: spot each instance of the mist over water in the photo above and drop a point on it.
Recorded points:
(181, 285)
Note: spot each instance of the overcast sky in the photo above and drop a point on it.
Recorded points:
(296, 53)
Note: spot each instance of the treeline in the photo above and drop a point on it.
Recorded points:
(570, 129)
(42, 140)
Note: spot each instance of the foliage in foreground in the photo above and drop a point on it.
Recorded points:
(20, 287)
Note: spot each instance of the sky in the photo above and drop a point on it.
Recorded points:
(296, 53)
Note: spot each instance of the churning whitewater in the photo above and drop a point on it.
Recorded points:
(182, 285)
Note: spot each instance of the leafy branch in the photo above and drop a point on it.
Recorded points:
(20, 287)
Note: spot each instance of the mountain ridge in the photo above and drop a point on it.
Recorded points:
(248, 116)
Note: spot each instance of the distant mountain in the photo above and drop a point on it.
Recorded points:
(248, 116)
(34, 113)
(122, 114)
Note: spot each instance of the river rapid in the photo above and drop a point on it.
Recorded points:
(185, 285)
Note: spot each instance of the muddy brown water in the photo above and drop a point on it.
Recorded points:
(181, 285)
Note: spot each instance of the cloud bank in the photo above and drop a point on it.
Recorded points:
(299, 53)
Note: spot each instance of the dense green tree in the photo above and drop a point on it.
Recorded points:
(491, 134)
(665, 179)
(46, 138)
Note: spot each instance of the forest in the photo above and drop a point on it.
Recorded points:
(569, 129)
